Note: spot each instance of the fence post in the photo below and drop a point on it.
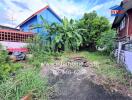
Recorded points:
(119, 51)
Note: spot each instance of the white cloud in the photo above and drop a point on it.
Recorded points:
(68, 8)
(17, 14)
(105, 9)
(63, 8)
(96, 8)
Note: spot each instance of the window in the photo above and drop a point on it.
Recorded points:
(122, 24)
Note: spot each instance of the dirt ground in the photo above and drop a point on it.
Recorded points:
(75, 80)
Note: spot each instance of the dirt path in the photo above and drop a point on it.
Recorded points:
(72, 81)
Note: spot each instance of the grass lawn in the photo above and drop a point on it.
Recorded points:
(29, 80)
(105, 66)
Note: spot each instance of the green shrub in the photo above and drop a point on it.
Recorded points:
(107, 41)
(41, 51)
(3, 57)
(6, 67)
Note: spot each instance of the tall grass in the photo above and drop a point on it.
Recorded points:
(108, 67)
(24, 83)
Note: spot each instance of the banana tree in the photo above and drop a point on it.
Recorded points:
(68, 35)
(62, 34)
(50, 31)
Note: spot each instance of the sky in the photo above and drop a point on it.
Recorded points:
(13, 12)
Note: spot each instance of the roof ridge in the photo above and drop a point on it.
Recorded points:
(34, 14)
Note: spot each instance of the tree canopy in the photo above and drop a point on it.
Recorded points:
(90, 32)
(94, 26)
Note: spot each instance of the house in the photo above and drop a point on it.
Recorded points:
(6, 27)
(47, 13)
(123, 26)
(117, 10)
(13, 40)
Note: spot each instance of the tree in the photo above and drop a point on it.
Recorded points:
(107, 41)
(88, 32)
(94, 26)
(68, 35)
(65, 34)
(50, 30)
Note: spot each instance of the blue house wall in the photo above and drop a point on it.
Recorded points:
(49, 17)
(47, 14)
(26, 26)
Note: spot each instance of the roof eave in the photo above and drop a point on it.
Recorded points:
(118, 19)
(26, 20)
(33, 15)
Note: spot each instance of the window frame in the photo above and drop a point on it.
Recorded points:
(123, 24)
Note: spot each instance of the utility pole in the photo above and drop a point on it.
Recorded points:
(11, 18)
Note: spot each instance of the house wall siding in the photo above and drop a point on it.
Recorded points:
(130, 22)
(123, 32)
(47, 14)
(49, 17)
(26, 26)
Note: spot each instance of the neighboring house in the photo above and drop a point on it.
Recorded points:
(47, 13)
(13, 40)
(10, 28)
(117, 10)
(123, 25)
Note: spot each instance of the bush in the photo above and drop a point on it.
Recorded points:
(41, 51)
(6, 67)
(107, 41)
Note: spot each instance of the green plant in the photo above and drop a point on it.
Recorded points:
(94, 26)
(106, 67)
(107, 41)
(68, 35)
(40, 50)
(90, 32)
(3, 57)
(25, 82)
(4, 64)
(6, 70)
(6, 67)
(65, 35)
